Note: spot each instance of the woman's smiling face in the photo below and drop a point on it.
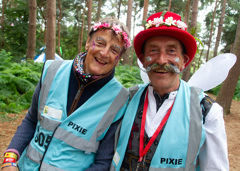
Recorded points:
(104, 51)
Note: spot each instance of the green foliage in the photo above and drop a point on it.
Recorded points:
(230, 26)
(15, 28)
(236, 95)
(128, 75)
(17, 83)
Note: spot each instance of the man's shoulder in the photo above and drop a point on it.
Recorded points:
(206, 103)
(133, 90)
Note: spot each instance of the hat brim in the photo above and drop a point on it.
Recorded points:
(183, 36)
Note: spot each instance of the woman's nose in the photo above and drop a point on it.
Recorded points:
(104, 52)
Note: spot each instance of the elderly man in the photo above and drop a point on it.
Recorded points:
(168, 125)
(73, 117)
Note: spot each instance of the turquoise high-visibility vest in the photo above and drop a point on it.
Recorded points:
(70, 143)
(181, 139)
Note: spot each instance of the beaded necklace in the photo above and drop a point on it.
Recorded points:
(78, 64)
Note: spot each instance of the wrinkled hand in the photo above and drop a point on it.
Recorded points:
(10, 168)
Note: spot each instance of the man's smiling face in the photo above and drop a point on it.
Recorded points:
(164, 51)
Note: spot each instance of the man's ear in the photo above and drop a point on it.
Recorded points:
(186, 59)
(87, 44)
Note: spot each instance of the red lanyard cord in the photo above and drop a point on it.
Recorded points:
(143, 151)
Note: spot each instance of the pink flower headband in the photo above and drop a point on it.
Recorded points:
(168, 22)
(117, 30)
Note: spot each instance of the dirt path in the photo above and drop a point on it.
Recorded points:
(232, 124)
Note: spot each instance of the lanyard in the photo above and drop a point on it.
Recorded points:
(143, 151)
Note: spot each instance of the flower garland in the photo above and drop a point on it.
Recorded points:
(117, 29)
(168, 22)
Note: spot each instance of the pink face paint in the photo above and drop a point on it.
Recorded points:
(93, 45)
(117, 58)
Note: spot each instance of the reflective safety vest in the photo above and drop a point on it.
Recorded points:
(64, 142)
(182, 136)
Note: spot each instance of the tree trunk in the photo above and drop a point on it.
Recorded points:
(226, 92)
(44, 22)
(45, 33)
(187, 12)
(199, 60)
(169, 5)
(134, 22)
(89, 3)
(145, 11)
(220, 27)
(119, 8)
(129, 16)
(187, 73)
(2, 23)
(81, 33)
(99, 9)
(51, 29)
(211, 30)
(32, 30)
(59, 29)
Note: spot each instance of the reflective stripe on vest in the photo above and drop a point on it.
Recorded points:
(33, 154)
(46, 167)
(196, 133)
(115, 106)
(89, 146)
(75, 141)
(46, 85)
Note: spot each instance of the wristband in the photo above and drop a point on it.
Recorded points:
(11, 154)
(8, 165)
(9, 159)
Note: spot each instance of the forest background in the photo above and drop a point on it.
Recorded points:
(62, 26)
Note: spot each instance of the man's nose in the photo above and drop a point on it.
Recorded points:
(162, 58)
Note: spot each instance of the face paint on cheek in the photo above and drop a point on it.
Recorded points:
(148, 58)
(93, 45)
(177, 59)
(117, 58)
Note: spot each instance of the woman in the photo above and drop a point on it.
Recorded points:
(75, 108)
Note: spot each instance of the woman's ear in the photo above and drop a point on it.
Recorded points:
(117, 62)
(87, 44)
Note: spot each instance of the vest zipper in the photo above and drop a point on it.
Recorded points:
(75, 101)
(47, 148)
(79, 93)
(76, 96)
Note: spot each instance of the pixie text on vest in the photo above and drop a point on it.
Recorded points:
(77, 127)
(171, 161)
